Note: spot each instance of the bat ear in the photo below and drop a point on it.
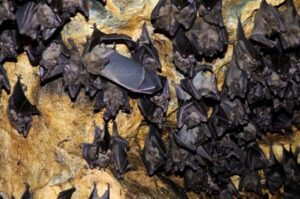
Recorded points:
(67, 194)
(115, 129)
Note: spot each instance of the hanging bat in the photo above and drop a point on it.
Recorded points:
(34, 51)
(119, 164)
(245, 55)
(71, 7)
(291, 19)
(8, 44)
(263, 117)
(20, 110)
(228, 192)
(191, 113)
(4, 81)
(250, 182)
(249, 134)
(145, 53)
(255, 158)
(113, 98)
(168, 17)
(66, 194)
(274, 173)
(291, 166)
(154, 153)
(53, 59)
(257, 92)
(34, 19)
(98, 153)
(211, 12)
(178, 191)
(27, 193)
(124, 71)
(202, 85)
(209, 40)
(94, 194)
(154, 108)
(6, 11)
(267, 22)
(235, 81)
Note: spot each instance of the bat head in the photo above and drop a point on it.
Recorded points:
(50, 57)
(46, 17)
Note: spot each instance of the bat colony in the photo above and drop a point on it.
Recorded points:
(260, 94)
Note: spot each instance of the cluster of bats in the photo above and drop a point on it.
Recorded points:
(66, 194)
(260, 92)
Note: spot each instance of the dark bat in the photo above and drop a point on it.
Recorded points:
(211, 11)
(113, 98)
(119, 164)
(145, 53)
(27, 193)
(53, 59)
(167, 17)
(20, 110)
(250, 182)
(34, 51)
(235, 81)
(66, 194)
(263, 117)
(4, 81)
(274, 172)
(202, 85)
(154, 153)
(72, 72)
(248, 134)
(257, 92)
(291, 190)
(6, 11)
(155, 107)
(267, 22)
(94, 194)
(290, 165)
(209, 40)
(291, 20)
(34, 19)
(8, 44)
(191, 113)
(245, 55)
(178, 191)
(255, 158)
(71, 6)
(98, 153)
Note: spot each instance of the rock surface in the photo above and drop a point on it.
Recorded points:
(50, 159)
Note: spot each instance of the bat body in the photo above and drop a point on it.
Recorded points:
(20, 110)
(6, 11)
(154, 151)
(27, 193)
(119, 146)
(8, 44)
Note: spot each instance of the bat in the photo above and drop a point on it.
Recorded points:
(145, 53)
(154, 108)
(168, 16)
(255, 158)
(71, 7)
(248, 134)
(228, 192)
(178, 191)
(246, 57)
(7, 11)
(154, 151)
(113, 98)
(290, 19)
(34, 51)
(274, 173)
(119, 146)
(27, 193)
(207, 39)
(290, 166)
(191, 113)
(94, 194)
(121, 70)
(66, 194)
(235, 83)
(267, 22)
(250, 182)
(210, 11)
(8, 45)
(20, 110)
(98, 153)
(4, 81)
(34, 19)
(202, 85)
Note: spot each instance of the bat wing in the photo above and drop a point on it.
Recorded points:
(106, 194)
(94, 194)
(66, 194)
(131, 75)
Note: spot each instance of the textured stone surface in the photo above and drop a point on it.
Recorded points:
(50, 158)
